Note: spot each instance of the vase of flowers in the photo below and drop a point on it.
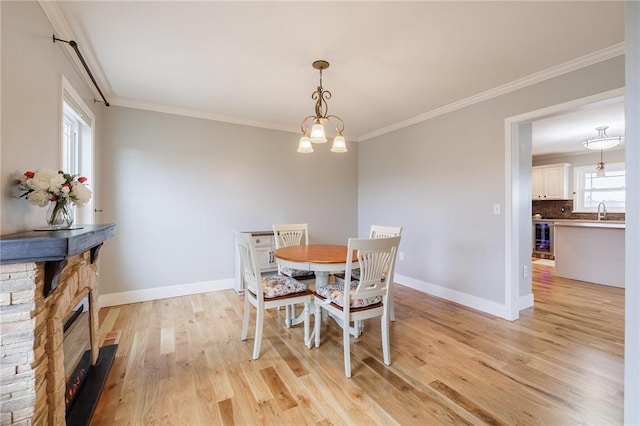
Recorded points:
(59, 191)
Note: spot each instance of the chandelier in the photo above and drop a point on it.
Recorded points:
(316, 134)
(602, 141)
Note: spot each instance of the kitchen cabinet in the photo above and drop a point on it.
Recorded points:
(550, 182)
(264, 244)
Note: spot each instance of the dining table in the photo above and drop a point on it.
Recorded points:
(322, 259)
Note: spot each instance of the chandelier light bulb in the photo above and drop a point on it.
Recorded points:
(339, 144)
(317, 133)
(305, 146)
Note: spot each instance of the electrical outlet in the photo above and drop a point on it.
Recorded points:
(496, 209)
(401, 256)
(525, 271)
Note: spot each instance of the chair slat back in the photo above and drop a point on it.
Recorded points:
(248, 265)
(376, 259)
(379, 231)
(291, 234)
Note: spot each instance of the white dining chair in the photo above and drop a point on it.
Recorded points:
(267, 292)
(292, 234)
(379, 231)
(295, 234)
(363, 299)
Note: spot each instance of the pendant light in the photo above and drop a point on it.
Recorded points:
(317, 132)
(602, 141)
(600, 167)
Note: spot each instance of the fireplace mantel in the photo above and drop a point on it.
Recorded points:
(43, 246)
(53, 248)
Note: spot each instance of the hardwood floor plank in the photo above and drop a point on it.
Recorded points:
(180, 361)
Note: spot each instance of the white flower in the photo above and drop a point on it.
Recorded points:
(45, 180)
(45, 185)
(80, 193)
(39, 198)
(64, 191)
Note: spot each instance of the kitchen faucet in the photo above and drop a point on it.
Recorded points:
(602, 214)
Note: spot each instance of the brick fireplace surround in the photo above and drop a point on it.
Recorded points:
(43, 276)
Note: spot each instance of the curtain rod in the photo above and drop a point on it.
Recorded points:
(86, 67)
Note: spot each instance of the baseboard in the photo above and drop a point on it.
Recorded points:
(456, 296)
(126, 297)
(525, 302)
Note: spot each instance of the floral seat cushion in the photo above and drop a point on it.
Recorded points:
(281, 285)
(336, 294)
(295, 273)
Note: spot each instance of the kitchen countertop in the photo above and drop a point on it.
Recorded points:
(611, 224)
(588, 223)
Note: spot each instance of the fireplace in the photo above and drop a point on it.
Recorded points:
(43, 277)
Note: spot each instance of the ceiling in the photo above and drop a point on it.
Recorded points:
(565, 133)
(391, 62)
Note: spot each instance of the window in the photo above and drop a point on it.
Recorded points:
(76, 145)
(590, 189)
(70, 139)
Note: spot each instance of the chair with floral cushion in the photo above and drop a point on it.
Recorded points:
(285, 235)
(366, 298)
(379, 231)
(267, 292)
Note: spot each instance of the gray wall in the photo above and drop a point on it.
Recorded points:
(442, 177)
(177, 188)
(32, 70)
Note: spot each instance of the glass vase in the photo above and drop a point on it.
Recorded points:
(60, 214)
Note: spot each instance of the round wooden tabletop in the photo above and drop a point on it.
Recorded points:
(314, 253)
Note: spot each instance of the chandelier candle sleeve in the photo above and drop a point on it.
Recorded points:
(317, 133)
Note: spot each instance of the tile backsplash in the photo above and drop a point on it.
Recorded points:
(562, 209)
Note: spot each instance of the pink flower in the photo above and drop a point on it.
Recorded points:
(82, 179)
(29, 174)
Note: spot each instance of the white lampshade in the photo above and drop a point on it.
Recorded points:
(600, 144)
(339, 144)
(305, 145)
(603, 141)
(317, 134)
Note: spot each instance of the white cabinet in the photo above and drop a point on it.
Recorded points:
(264, 244)
(550, 182)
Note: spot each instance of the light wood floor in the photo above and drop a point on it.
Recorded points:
(181, 362)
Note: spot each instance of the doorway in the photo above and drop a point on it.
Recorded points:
(518, 162)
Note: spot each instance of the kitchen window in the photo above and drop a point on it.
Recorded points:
(590, 189)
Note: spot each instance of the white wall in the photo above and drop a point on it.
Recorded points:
(632, 232)
(32, 70)
(443, 177)
(177, 188)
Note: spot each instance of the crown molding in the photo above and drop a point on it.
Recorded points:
(567, 67)
(128, 103)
